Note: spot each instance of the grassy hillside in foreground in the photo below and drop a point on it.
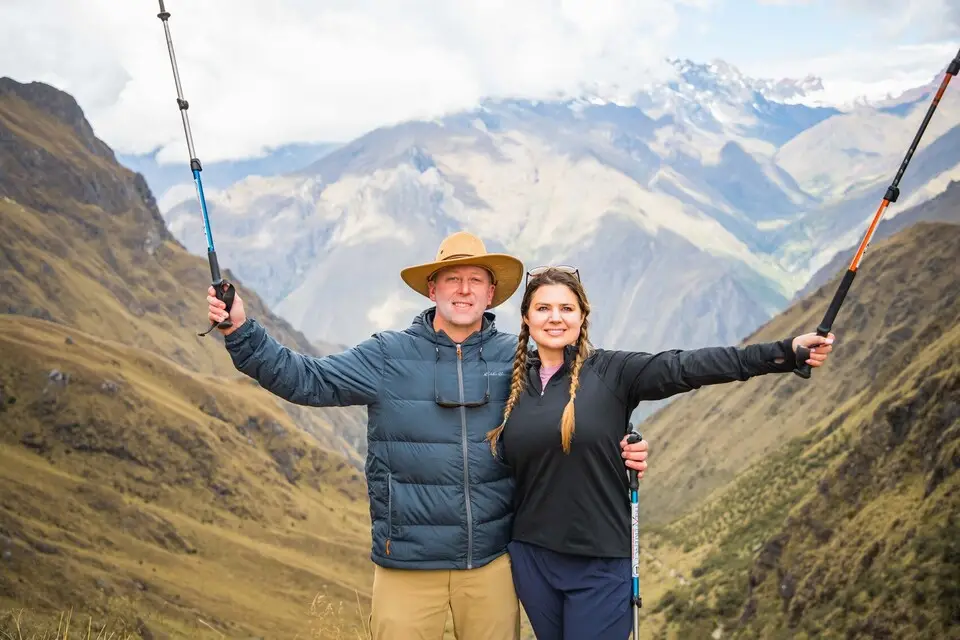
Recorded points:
(704, 438)
(850, 529)
(82, 244)
(142, 478)
(132, 485)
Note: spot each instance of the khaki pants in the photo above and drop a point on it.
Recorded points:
(412, 604)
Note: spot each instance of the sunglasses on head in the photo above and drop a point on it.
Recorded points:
(565, 268)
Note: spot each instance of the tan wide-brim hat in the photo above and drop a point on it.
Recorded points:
(464, 248)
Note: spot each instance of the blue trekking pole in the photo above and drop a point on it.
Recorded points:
(224, 290)
(636, 602)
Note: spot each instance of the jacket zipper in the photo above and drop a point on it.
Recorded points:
(389, 510)
(543, 387)
(466, 463)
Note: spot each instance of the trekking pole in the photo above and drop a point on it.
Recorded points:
(224, 290)
(635, 603)
(893, 192)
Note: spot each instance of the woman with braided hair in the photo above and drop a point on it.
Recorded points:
(563, 425)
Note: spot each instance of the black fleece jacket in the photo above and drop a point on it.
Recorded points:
(577, 503)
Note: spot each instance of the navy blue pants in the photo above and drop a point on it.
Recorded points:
(570, 597)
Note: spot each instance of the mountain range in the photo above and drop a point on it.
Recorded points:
(172, 183)
(695, 210)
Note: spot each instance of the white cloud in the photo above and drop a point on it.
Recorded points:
(876, 73)
(259, 73)
(934, 18)
(909, 42)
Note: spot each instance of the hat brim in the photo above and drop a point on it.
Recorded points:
(507, 272)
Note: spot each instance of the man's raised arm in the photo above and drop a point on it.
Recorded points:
(351, 377)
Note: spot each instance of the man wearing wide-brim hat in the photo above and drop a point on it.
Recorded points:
(440, 503)
(462, 249)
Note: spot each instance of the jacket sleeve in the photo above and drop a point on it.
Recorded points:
(348, 378)
(653, 376)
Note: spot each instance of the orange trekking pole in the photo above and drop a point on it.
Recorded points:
(893, 192)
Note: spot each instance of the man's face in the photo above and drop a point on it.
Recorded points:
(462, 294)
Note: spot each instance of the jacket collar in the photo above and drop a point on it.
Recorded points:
(423, 326)
(569, 355)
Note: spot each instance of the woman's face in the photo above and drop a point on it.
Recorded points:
(554, 317)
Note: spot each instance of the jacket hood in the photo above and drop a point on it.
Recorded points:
(422, 326)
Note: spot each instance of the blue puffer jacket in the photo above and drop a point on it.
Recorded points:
(438, 498)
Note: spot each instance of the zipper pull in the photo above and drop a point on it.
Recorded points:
(459, 353)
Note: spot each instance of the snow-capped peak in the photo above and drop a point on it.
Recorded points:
(686, 81)
(720, 78)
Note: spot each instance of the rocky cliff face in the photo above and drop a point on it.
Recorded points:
(83, 244)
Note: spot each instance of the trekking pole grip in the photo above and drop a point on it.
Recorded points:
(803, 369)
(633, 438)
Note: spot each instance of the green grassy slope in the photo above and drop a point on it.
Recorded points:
(850, 528)
(125, 476)
(143, 480)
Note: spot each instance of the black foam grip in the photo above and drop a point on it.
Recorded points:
(225, 292)
(634, 437)
(831, 315)
(803, 369)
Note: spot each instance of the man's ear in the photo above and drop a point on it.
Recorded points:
(432, 290)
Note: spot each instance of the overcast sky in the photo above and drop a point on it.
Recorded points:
(260, 73)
